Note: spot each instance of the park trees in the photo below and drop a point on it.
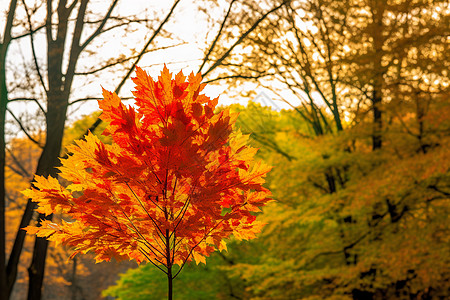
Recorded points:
(360, 162)
(363, 58)
(391, 230)
(340, 58)
(380, 234)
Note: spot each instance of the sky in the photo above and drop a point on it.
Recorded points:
(187, 24)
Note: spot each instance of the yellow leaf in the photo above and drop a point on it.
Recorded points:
(198, 258)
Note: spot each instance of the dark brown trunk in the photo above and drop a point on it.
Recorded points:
(73, 286)
(37, 267)
(330, 181)
(377, 121)
(3, 103)
(56, 117)
(169, 266)
(378, 71)
(57, 103)
(4, 44)
(170, 283)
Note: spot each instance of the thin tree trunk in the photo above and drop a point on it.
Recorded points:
(377, 121)
(37, 267)
(4, 44)
(170, 283)
(3, 103)
(169, 265)
(73, 286)
(377, 10)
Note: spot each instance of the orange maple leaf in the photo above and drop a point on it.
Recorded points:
(175, 183)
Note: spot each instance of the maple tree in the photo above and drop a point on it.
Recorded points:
(175, 183)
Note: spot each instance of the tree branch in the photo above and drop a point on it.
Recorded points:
(100, 27)
(141, 54)
(33, 50)
(122, 60)
(24, 130)
(217, 37)
(9, 23)
(23, 172)
(242, 37)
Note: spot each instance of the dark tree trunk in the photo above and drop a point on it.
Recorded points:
(4, 44)
(57, 103)
(169, 266)
(3, 103)
(37, 267)
(73, 287)
(55, 118)
(377, 122)
(170, 284)
(377, 29)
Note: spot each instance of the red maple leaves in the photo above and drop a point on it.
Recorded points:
(175, 183)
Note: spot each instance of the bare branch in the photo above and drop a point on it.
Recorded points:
(29, 99)
(22, 171)
(122, 60)
(9, 23)
(24, 130)
(243, 36)
(33, 50)
(100, 27)
(27, 33)
(217, 37)
(72, 6)
(239, 76)
(143, 51)
(93, 98)
(75, 49)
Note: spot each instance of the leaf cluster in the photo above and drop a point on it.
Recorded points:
(175, 182)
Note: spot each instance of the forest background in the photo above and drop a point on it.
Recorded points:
(351, 106)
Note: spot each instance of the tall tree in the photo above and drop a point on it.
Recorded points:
(383, 60)
(4, 44)
(66, 42)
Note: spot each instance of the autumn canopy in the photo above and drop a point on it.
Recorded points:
(175, 182)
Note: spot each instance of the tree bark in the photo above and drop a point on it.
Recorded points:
(73, 286)
(377, 29)
(377, 119)
(57, 104)
(170, 283)
(56, 117)
(169, 266)
(3, 105)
